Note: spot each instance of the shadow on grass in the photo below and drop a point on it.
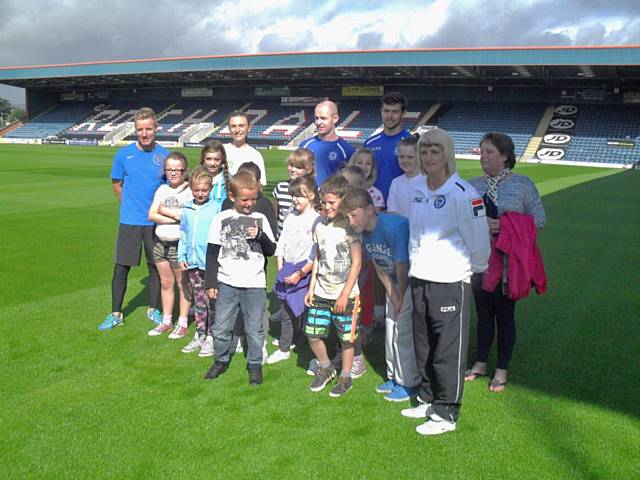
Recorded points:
(581, 339)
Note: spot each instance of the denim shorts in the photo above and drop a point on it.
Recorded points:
(321, 316)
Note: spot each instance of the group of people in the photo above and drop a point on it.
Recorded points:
(391, 223)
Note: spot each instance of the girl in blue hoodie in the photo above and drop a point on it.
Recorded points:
(192, 253)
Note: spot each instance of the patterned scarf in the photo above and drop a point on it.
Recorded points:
(493, 182)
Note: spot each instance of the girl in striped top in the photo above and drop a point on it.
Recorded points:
(300, 162)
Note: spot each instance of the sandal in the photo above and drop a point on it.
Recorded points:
(470, 375)
(496, 385)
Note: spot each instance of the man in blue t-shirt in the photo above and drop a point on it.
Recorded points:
(332, 152)
(385, 238)
(384, 145)
(136, 174)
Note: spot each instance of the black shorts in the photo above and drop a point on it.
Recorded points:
(129, 244)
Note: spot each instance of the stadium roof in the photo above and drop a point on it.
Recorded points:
(561, 66)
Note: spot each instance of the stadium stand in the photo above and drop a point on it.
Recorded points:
(175, 121)
(272, 123)
(54, 121)
(467, 122)
(359, 120)
(109, 118)
(601, 132)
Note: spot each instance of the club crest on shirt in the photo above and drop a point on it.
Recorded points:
(333, 155)
(157, 159)
(477, 207)
(440, 201)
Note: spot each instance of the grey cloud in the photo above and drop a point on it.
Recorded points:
(370, 41)
(520, 25)
(54, 32)
(591, 35)
(276, 43)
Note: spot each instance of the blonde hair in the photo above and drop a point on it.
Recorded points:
(144, 113)
(243, 180)
(201, 174)
(374, 168)
(442, 139)
(303, 158)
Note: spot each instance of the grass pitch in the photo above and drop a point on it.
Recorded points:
(79, 403)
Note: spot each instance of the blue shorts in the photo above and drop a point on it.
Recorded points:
(320, 317)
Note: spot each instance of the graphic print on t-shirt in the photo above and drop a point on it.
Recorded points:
(235, 244)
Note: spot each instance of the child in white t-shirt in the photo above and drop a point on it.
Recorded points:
(165, 212)
(292, 256)
(239, 241)
(402, 187)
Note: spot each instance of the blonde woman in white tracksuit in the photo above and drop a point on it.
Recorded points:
(449, 241)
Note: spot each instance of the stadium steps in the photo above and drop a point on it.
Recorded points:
(303, 135)
(196, 133)
(544, 121)
(531, 149)
(433, 110)
(11, 127)
(120, 132)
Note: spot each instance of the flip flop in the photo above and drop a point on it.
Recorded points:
(470, 375)
(496, 385)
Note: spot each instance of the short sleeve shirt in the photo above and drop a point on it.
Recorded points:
(333, 242)
(388, 243)
(241, 260)
(331, 157)
(141, 175)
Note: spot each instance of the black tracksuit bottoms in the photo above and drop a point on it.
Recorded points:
(441, 338)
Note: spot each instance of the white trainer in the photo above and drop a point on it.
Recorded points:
(194, 345)
(419, 411)
(207, 347)
(278, 356)
(276, 343)
(435, 425)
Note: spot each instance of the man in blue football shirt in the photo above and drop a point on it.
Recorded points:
(332, 152)
(136, 174)
(384, 145)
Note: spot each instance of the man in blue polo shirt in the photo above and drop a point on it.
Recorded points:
(332, 152)
(136, 174)
(384, 145)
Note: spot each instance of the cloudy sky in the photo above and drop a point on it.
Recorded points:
(36, 32)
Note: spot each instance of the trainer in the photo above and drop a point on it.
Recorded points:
(384, 145)
(136, 174)
(331, 151)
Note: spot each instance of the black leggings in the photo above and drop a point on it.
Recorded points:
(119, 286)
(494, 308)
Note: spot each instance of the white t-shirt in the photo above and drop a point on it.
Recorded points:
(296, 240)
(401, 192)
(241, 260)
(173, 198)
(236, 156)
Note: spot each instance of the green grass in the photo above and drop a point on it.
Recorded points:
(78, 403)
